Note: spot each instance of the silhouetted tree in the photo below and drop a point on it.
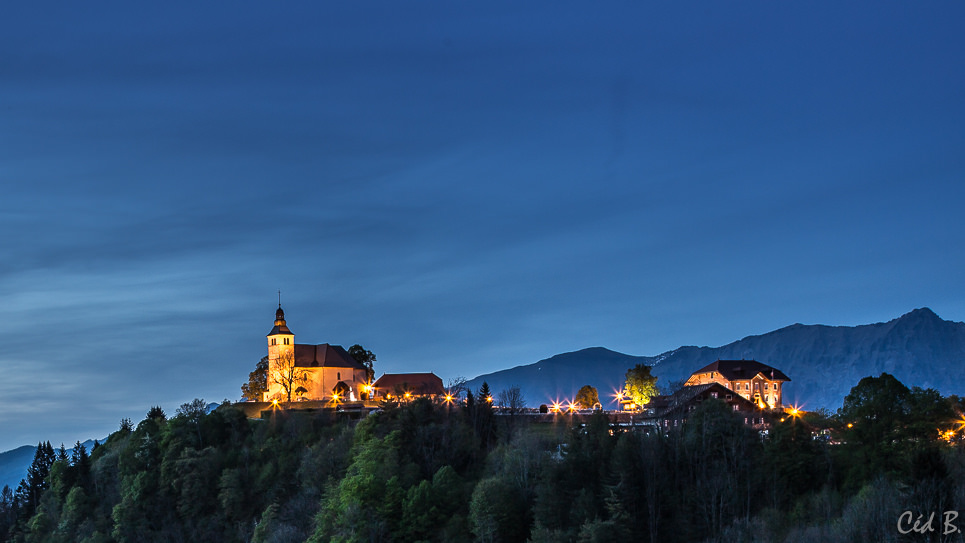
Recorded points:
(256, 387)
(364, 357)
(587, 397)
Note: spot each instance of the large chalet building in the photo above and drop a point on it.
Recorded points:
(672, 410)
(747, 387)
(754, 381)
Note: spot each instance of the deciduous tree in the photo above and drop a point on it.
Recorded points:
(256, 387)
(587, 397)
(640, 385)
(286, 374)
(364, 357)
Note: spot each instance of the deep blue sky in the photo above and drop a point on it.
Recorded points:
(459, 187)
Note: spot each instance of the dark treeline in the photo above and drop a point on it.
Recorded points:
(430, 472)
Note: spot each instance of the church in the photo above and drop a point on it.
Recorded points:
(310, 372)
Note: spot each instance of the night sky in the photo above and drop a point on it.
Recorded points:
(459, 187)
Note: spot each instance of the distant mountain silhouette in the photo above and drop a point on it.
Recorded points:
(14, 463)
(823, 362)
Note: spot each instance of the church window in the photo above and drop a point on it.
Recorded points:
(272, 341)
(338, 376)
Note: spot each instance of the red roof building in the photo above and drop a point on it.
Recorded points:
(408, 385)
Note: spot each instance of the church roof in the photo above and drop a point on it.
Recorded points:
(324, 356)
(418, 383)
(743, 369)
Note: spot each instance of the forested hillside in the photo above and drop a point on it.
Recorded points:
(434, 472)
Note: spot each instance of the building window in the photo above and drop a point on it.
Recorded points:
(338, 376)
(737, 407)
(729, 397)
(272, 341)
(713, 394)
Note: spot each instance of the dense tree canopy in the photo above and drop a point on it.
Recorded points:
(424, 471)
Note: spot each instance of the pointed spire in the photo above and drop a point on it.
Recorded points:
(280, 326)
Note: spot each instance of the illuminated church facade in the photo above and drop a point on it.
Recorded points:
(313, 372)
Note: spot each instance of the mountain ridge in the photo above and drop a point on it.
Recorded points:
(919, 348)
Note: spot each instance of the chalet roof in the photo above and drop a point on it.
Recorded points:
(418, 383)
(743, 369)
(661, 405)
(324, 356)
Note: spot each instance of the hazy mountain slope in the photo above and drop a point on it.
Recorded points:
(823, 362)
(560, 376)
(13, 465)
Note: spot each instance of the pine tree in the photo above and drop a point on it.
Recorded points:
(36, 482)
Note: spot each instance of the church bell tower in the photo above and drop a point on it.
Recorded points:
(281, 346)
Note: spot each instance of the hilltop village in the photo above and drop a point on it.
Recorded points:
(323, 451)
(324, 376)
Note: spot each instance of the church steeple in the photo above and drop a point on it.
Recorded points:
(281, 346)
(280, 326)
